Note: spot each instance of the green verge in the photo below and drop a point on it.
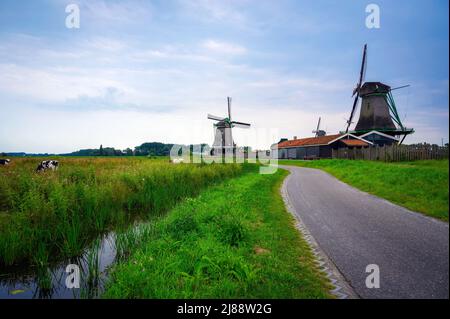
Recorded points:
(235, 240)
(421, 186)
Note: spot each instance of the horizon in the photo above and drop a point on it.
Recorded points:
(137, 71)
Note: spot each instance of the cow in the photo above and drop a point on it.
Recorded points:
(5, 161)
(46, 165)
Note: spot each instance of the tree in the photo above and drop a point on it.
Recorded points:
(101, 150)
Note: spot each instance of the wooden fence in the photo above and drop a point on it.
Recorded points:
(393, 153)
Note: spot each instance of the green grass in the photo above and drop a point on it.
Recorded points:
(53, 215)
(421, 186)
(235, 240)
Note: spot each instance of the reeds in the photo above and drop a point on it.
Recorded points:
(57, 214)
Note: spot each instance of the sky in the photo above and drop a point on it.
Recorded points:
(142, 71)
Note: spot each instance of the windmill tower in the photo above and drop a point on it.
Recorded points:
(378, 109)
(318, 131)
(223, 139)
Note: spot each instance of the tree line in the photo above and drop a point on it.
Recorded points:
(145, 149)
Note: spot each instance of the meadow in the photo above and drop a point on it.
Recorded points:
(56, 214)
(421, 186)
(234, 240)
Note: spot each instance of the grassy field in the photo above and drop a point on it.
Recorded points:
(235, 240)
(421, 186)
(56, 214)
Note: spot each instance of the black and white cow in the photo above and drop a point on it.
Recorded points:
(5, 161)
(45, 165)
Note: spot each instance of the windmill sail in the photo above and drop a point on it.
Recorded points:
(362, 75)
(216, 118)
(240, 124)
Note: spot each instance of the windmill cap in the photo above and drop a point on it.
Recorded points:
(373, 87)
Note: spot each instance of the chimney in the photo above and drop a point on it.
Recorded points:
(295, 137)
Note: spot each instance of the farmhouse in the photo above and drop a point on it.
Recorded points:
(317, 147)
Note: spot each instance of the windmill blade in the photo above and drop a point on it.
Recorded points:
(216, 118)
(229, 107)
(364, 66)
(240, 124)
(349, 122)
(362, 75)
(401, 87)
(318, 128)
(362, 72)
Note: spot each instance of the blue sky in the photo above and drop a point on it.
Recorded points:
(139, 71)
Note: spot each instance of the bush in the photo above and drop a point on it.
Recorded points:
(231, 230)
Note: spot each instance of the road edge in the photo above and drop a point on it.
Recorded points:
(342, 289)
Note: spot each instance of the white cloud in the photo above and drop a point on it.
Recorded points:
(109, 11)
(224, 47)
(52, 84)
(218, 11)
(104, 44)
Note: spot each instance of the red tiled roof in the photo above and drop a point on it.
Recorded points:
(320, 140)
(354, 142)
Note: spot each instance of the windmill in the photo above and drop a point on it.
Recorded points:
(378, 109)
(318, 131)
(223, 140)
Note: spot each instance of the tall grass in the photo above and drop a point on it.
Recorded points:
(56, 214)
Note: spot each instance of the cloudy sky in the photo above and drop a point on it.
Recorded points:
(138, 71)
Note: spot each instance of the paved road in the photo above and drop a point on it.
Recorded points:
(356, 229)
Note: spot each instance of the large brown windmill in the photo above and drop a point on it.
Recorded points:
(223, 140)
(378, 110)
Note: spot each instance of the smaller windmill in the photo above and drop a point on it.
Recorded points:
(318, 131)
(223, 140)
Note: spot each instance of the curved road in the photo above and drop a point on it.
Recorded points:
(356, 229)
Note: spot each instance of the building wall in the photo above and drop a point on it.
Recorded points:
(379, 140)
(302, 152)
(325, 151)
(291, 153)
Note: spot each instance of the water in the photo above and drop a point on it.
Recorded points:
(50, 282)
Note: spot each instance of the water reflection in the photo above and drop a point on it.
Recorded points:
(50, 282)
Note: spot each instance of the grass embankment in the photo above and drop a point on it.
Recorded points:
(51, 215)
(235, 240)
(421, 186)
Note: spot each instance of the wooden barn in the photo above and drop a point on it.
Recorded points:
(317, 147)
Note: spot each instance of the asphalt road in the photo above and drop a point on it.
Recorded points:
(356, 229)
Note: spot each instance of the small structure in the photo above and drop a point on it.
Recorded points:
(318, 147)
(318, 131)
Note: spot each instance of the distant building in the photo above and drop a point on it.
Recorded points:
(317, 147)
